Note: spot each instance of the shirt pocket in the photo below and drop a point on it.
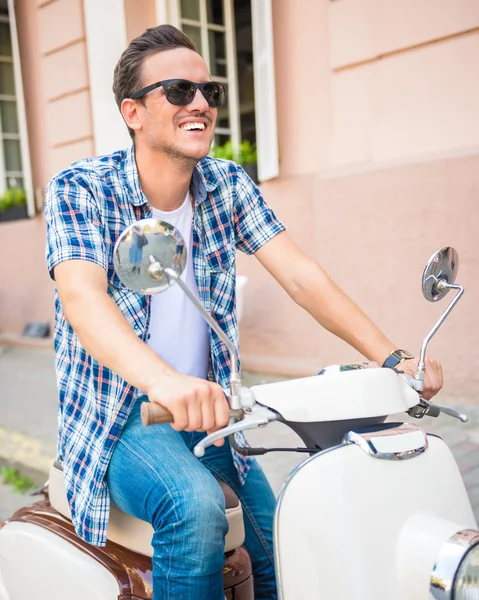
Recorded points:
(221, 265)
(220, 261)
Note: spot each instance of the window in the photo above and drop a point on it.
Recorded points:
(15, 171)
(210, 25)
(235, 37)
(245, 69)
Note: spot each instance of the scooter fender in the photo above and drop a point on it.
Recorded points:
(36, 563)
(350, 525)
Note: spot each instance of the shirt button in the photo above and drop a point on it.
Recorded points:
(148, 336)
(136, 326)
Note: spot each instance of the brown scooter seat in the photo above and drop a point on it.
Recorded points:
(135, 534)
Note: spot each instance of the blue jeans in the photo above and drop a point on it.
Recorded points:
(154, 476)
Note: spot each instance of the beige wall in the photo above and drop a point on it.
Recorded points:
(53, 51)
(379, 168)
(55, 78)
(379, 158)
(140, 15)
(65, 73)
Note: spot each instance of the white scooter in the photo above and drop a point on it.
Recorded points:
(378, 511)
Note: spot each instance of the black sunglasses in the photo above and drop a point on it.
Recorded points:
(181, 92)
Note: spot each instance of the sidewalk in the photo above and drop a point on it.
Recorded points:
(28, 423)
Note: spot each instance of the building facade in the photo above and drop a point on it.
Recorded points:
(365, 114)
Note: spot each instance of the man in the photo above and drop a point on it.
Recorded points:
(111, 342)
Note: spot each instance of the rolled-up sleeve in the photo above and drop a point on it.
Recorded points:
(74, 229)
(255, 221)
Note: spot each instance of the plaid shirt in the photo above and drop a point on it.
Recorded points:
(87, 206)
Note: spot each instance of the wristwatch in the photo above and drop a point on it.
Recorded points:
(396, 357)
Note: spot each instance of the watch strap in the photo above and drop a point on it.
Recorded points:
(396, 357)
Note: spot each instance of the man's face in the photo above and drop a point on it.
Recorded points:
(163, 125)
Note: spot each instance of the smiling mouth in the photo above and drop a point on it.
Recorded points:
(193, 127)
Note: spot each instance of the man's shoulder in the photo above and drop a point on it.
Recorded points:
(93, 169)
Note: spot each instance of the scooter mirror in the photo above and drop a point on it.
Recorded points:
(142, 253)
(149, 257)
(441, 269)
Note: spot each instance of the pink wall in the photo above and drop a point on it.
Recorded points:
(139, 15)
(379, 168)
(55, 78)
(373, 232)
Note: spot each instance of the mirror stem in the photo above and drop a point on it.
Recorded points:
(418, 383)
(235, 381)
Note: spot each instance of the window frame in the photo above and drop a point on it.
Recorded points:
(170, 12)
(22, 136)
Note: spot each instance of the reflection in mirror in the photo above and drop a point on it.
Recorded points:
(441, 267)
(144, 250)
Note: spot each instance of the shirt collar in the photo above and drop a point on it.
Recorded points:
(201, 183)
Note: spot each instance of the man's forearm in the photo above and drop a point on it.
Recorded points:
(108, 337)
(335, 311)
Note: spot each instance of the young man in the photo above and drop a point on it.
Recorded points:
(111, 342)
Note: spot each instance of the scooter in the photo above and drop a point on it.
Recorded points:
(379, 510)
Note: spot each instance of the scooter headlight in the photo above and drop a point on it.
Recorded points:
(456, 573)
(466, 585)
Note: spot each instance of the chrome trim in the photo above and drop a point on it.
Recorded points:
(452, 412)
(258, 416)
(418, 381)
(43, 489)
(279, 501)
(397, 443)
(450, 557)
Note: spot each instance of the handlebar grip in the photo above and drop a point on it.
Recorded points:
(153, 414)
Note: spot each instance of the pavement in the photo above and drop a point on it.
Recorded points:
(28, 424)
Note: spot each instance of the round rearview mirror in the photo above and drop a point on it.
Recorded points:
(441, 267)
(143, 252)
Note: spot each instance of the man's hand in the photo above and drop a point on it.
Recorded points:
(196, 404)
(432, 378)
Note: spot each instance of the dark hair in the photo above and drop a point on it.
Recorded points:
(127, 75)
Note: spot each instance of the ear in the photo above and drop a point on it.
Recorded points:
(130, 110)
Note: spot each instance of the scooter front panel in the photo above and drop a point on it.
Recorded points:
(340, 516)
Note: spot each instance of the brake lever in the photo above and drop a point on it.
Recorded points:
(452, 412)
(423, 408)
(430, 409)
(258, 416)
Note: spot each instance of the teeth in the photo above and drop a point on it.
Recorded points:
(190, 126)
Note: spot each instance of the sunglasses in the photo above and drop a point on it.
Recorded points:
(181, 92)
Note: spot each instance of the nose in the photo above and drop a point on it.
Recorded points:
(199, 103)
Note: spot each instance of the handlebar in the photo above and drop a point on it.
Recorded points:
(425, 407)
(154, 414)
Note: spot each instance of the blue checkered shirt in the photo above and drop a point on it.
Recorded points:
(87, 206)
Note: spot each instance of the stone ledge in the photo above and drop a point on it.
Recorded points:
(15, 339)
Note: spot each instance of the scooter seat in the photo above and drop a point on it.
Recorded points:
(135, 534)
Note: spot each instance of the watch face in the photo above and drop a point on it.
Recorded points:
(402, 354)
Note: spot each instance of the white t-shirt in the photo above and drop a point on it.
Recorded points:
(178, 332)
